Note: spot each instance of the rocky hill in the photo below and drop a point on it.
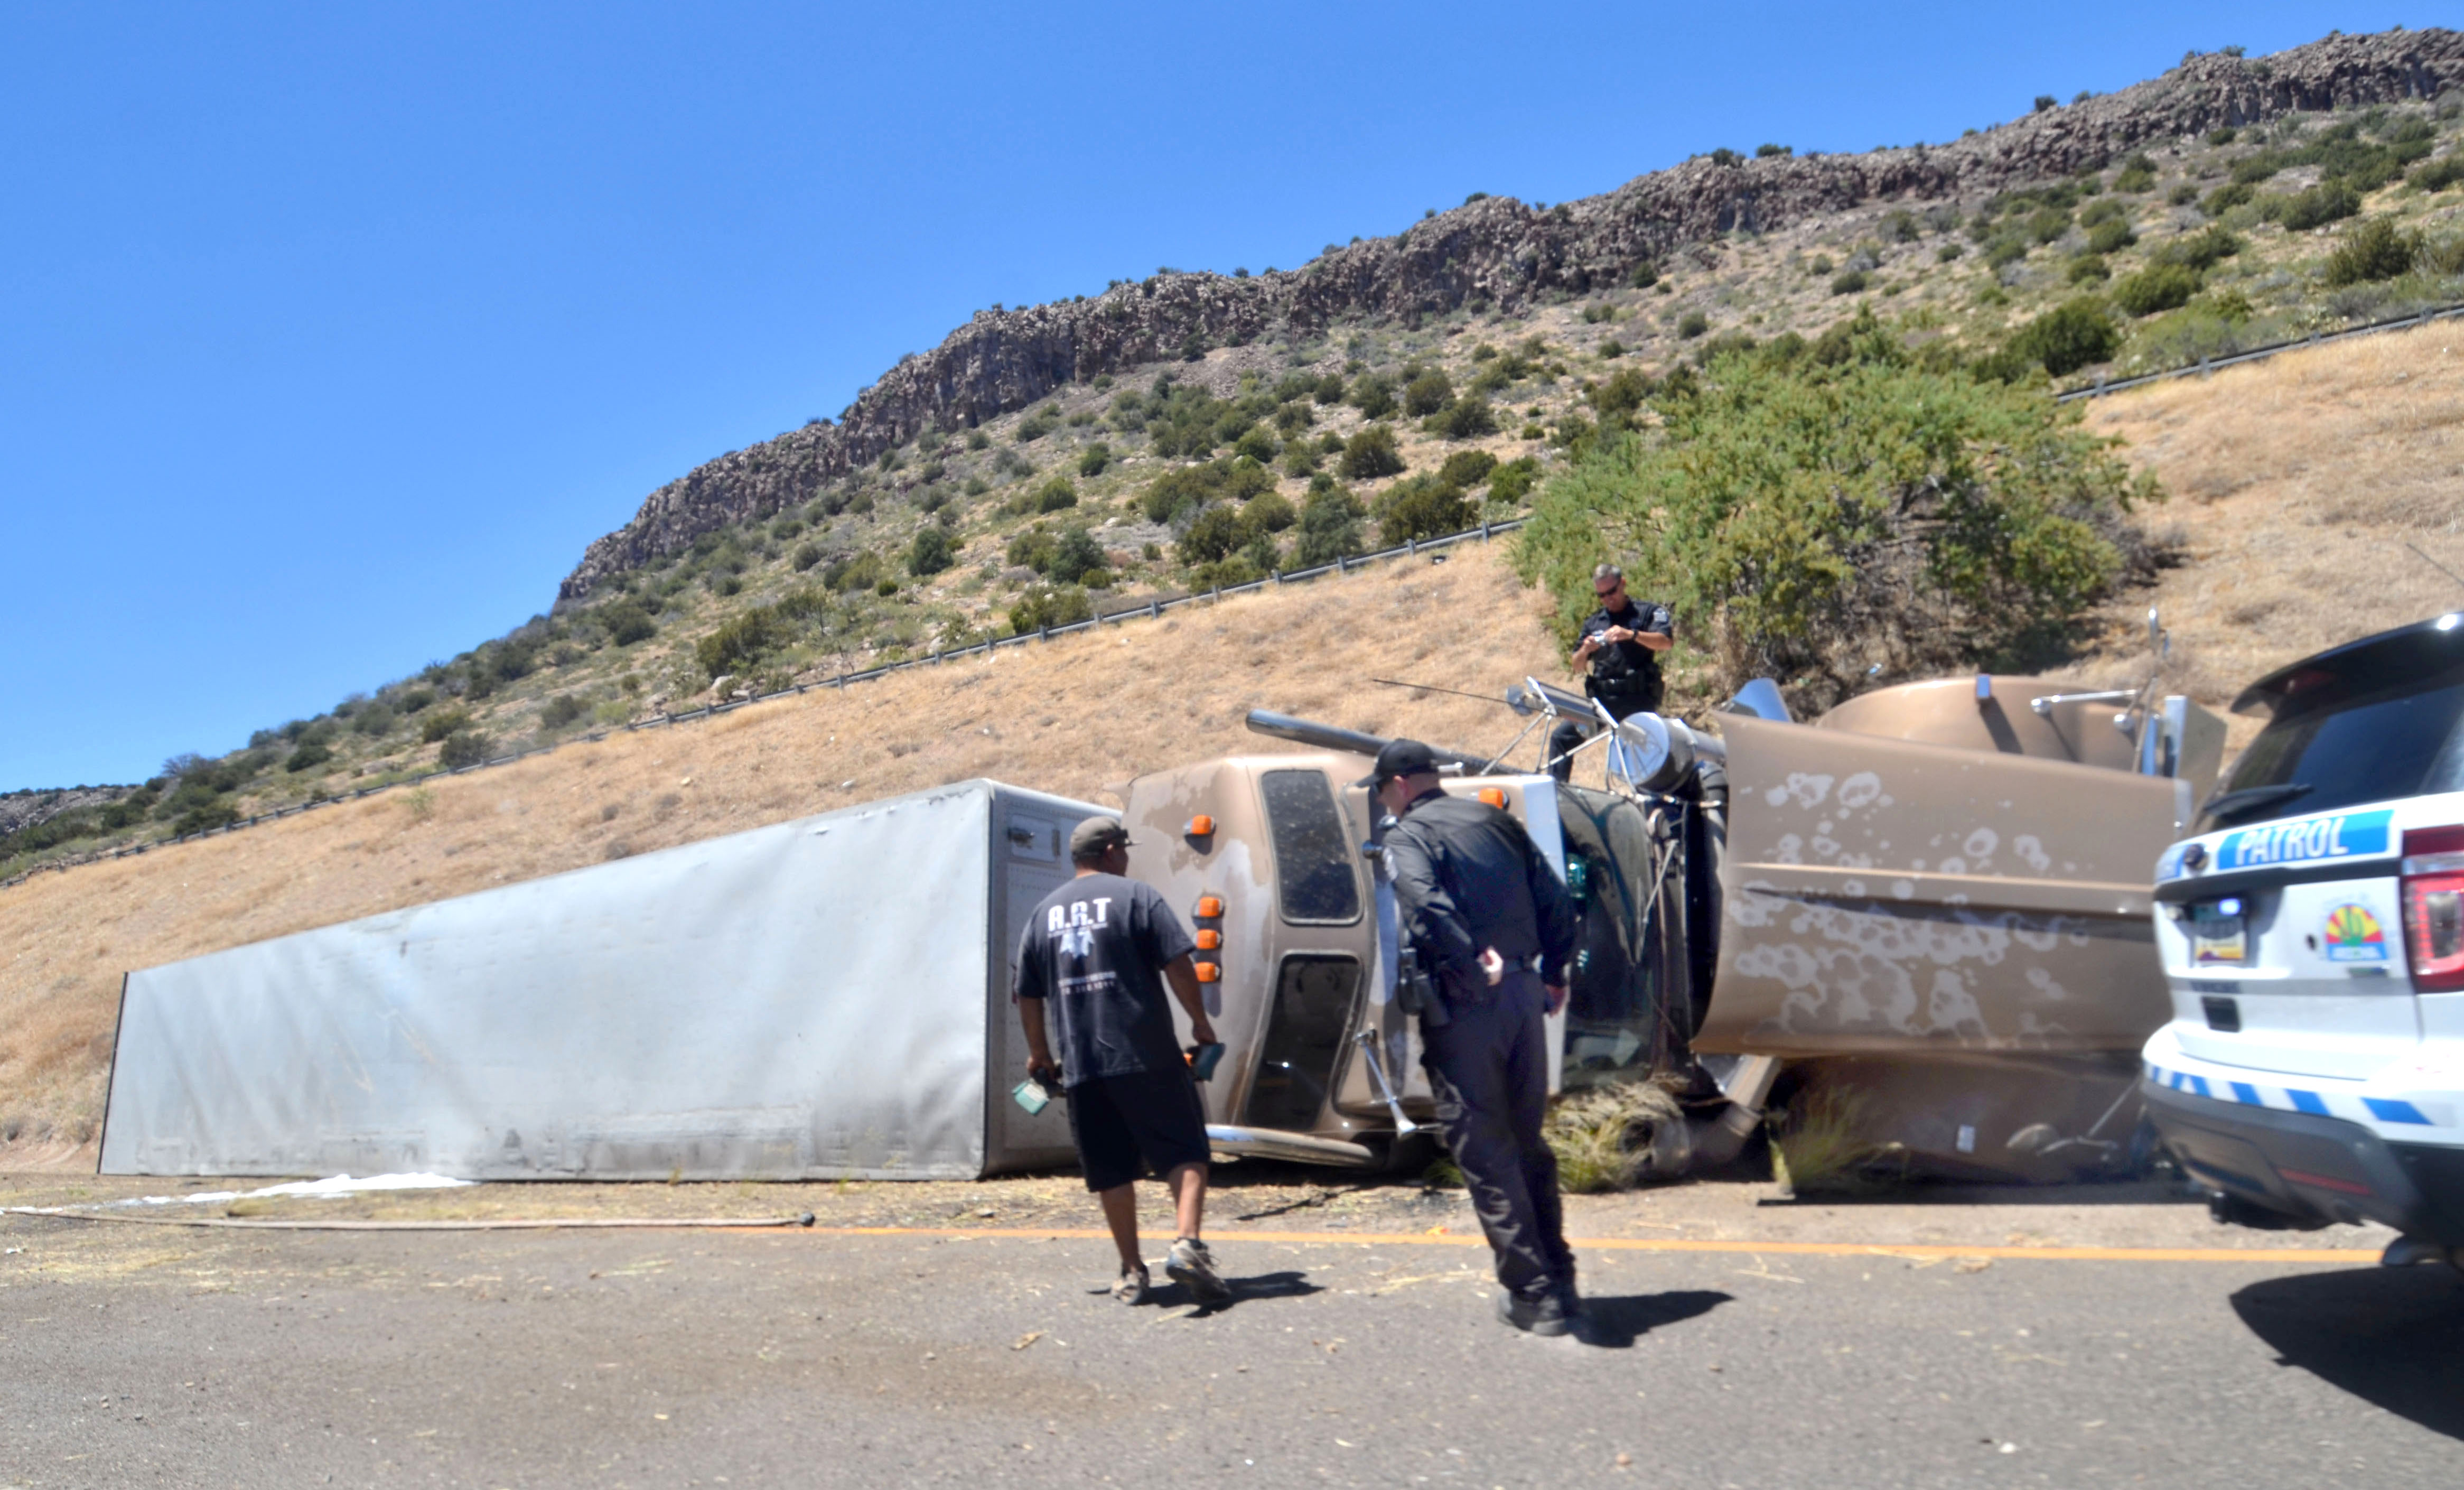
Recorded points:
(1501, 254)
(1196, 429)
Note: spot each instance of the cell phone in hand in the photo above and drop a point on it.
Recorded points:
(1202, 1059)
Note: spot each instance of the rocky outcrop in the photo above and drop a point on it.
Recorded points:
(24, 809)
(1499, 250)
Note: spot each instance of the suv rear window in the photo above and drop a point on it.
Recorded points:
(2379, 720)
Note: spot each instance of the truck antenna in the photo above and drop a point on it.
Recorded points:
(2435, 564)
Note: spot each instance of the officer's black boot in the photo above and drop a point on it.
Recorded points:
(1540, 1314)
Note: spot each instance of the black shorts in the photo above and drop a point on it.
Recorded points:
(1125, 1124)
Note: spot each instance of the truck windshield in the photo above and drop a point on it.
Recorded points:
(2363, 728)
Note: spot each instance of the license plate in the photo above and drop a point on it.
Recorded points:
(2218, 938)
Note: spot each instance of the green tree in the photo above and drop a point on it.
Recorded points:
(1427, 393)
(1215, 533)
(2375, 249)
(1048, 605)
(1817, 518)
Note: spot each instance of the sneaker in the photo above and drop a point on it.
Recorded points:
(1133, 1287)
(1544, 1315)
(1193, 1268)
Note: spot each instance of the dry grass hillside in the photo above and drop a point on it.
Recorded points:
(1075, 716)
(2297, 484)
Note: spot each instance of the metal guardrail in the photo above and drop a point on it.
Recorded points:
(1152, 609)
(2208, 364)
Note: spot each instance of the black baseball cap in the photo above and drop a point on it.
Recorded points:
(1094, 835)
(1401, 758)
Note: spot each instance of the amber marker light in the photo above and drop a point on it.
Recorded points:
(1202, 826)
(1209, 973)
(1494, 795)
(1209, 907)
(1209, 939)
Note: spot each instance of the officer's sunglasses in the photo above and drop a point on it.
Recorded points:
(1615, 586)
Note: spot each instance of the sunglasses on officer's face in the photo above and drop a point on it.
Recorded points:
(1615, 586)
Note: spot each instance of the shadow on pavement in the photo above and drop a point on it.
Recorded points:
(1615, 1322)
(1244, 1290)
(2386, 1335)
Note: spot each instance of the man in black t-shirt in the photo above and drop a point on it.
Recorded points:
(1619, 651)
(1096, 953)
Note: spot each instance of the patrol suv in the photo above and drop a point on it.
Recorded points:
(2313, 936)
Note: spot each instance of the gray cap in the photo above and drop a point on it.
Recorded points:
(1094, 835)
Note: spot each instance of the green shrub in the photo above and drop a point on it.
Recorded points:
(1900, 226)
(854, 573)
(1374, 395)
(1512, 482)
(740, 642)
(2005, 249)
(462, 749)
(1036, 426)
(805, 557)
(1848, 281)
(2330, 201)
(2111, 237)
(1093, 460)
(1423, 507)
(1266, 512)
(1077, 558)
(2375, 249)
(442, 723)
(1216, 533)
(1815, 517)
(1330, 526)
(1466, 469)
(2225, 198)
(1055, 495)
(2048, 223)
(373, 720)
(1330, 390)
(561, 710)
(930, 552)
(1427, 393)
(1467, 419)
(2159, 287)
(2088, 267)
(1611, 349)
(201, 819)
(1947, 251)
(2199, 251)
(2440, 174)
(1370, 455)
(2062, 340)
(1049, 605)
(2135, 179)
(307, 757)
(1300, 458)
(1644, 276)
(1176, 492)
(1257, 444)
(1692, 324)
(627, 623)
(2182, 194)
(2222, 135)
(411, 700)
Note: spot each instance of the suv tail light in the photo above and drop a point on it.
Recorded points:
(2432, 890)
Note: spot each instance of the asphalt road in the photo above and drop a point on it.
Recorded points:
(134, 1355)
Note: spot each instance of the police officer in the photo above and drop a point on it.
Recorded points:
(1494, 930)
(1619, 651)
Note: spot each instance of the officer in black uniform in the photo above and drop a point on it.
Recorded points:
(1620, 650)
(1494, 930)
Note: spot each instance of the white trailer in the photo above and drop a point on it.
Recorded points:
(822, 999)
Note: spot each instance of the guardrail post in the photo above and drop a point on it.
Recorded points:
(2100, 387)
(1338, 564)
(1043, 633)
(1411, 546)
(2207, 368)
(1154, 607)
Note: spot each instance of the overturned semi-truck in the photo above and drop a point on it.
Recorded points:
(1933, 901)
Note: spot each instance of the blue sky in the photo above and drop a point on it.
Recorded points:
(329, 335)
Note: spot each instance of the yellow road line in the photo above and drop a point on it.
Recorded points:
(1818, 1249)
